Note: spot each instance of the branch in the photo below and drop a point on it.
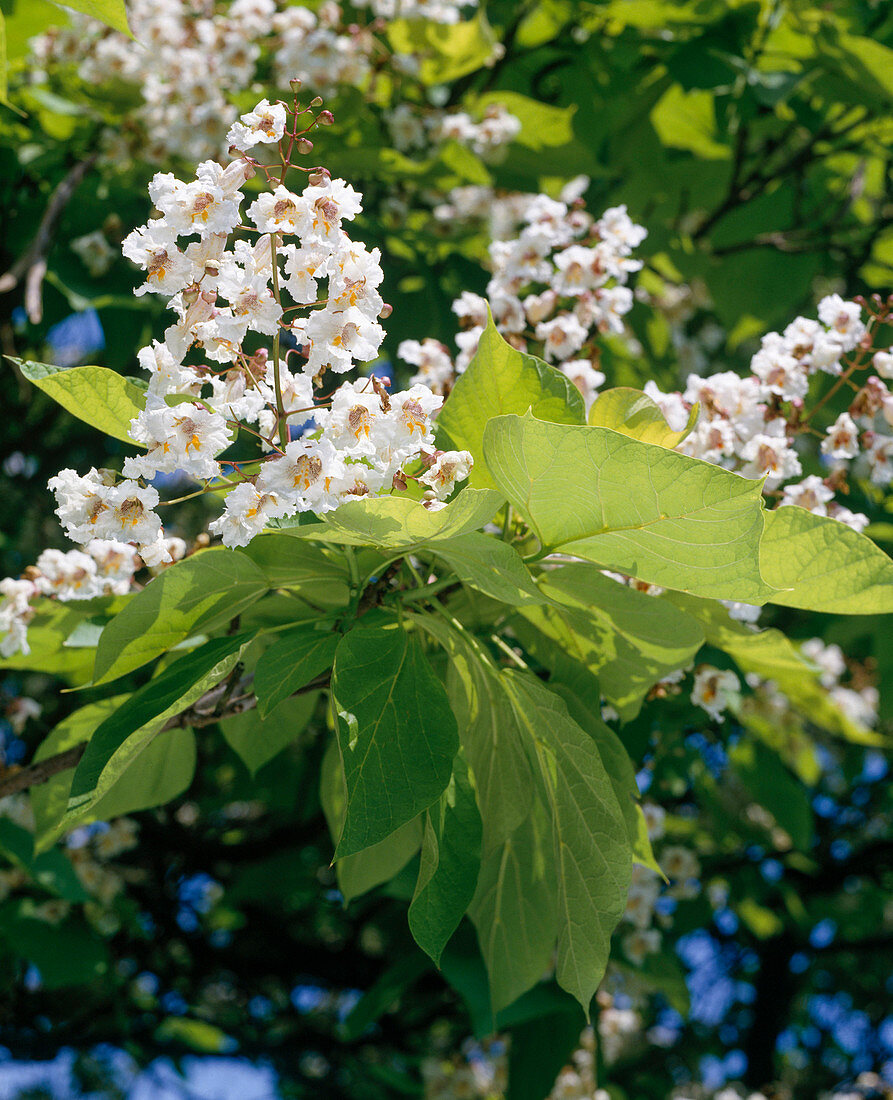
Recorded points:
(32, 263)
(216, 703)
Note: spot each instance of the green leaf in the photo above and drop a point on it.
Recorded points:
(592, 850)
(125, 734)
(769, 654)
(631, 506)
(446, 51)
(204, 590)
(542, 125)
(774, 788)
(396, 732)
(489, 734)
(398, 523)
(48, 800)
(197, 1035)
(823, 565)
(613, 631)
(514, 909)
(4, 64)
(687, 120)
(52, 625)
(101, 397)
(584, 709)
(384, 994)
(500, 380)
(294, 659)
(257, 738)
(635, 414)
(288, 562)
(66, 954)
(376, 864)
(51, 870)
(491, 566)
(111, 12)
(162, 772)
(451, 851)
(539, 1051)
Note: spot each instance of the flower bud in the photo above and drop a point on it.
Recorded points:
(386, 310)
(316, 101)
(325, 118)
(305, 146)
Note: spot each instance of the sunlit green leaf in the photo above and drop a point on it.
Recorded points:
(631, 506)
(502, 380)
(101, 397)
(396, 731)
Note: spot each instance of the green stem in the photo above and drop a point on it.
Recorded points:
(280, 411)
(427, 590)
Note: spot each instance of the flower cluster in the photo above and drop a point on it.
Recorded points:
(90, 850)
(414, 128)
(317, 454)
(556, 285)
(759, 425)
(189, 58)
(362, 437)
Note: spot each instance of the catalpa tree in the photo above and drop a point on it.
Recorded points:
(455, 597)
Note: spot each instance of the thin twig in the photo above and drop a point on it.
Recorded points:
(203, 712)
(31, 265)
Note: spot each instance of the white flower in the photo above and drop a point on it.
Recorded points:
(153, 247)
(339, 338)
(585, 377)
(94, 252)
(856, 520)
(680, 863)
(448, 468)
(70, 575)
(768, 453)
(842, 438)
(828, 658)
(80, 502)
(844, 319)
(780, 372)
(672, 405)
(307, 477)
(264, 125)
(116, 562)
(655, 819)
(221, 336)
(199, 207)
(714, 690)
(641, 943)
(879, 454)
(183, 437)
(616, 226)
(742, 612)
(246, 511)
(811, 493)
(15, 614)
(711, 440)
(253, 301)
(882, 361)
(304, 267)
(279, 211)
(168, 375)
(325, 205)
(858, 706)
(561, 336)
(433, 360)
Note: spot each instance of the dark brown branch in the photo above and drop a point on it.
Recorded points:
(35, 774)
(210, 708)
(31, 265)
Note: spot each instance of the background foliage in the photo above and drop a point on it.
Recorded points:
(753, 140)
